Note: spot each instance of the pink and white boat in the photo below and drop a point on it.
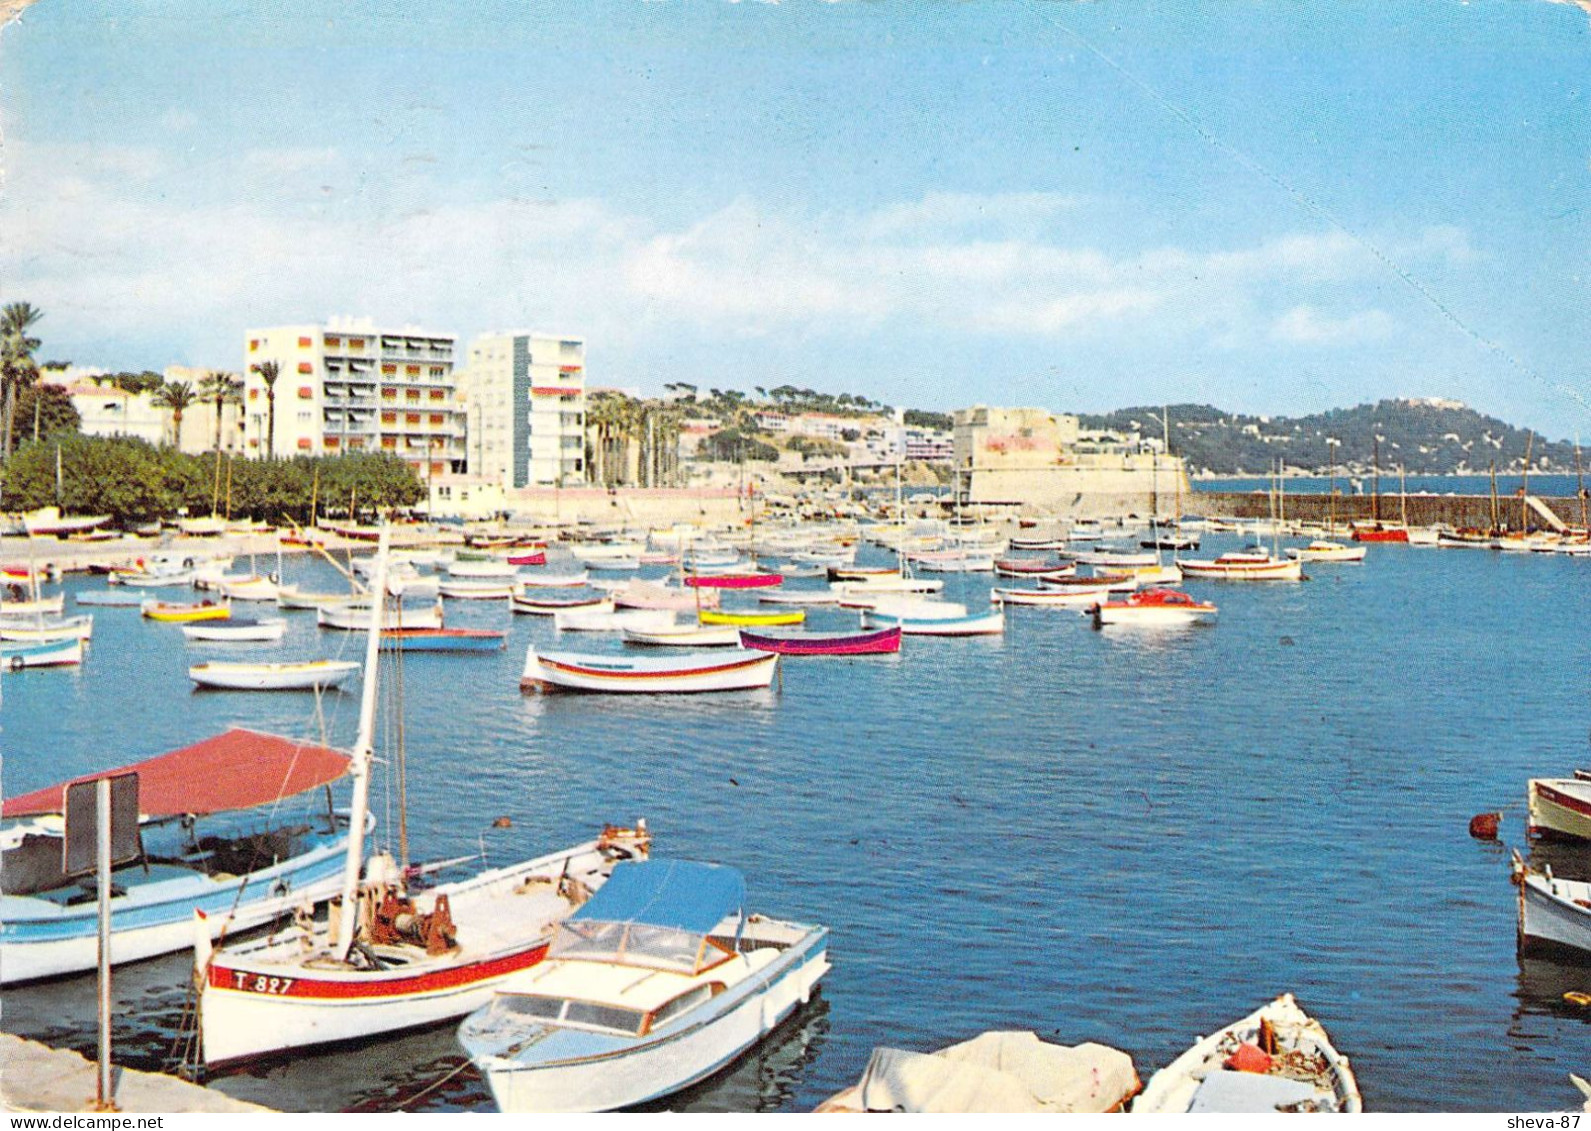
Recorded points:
(866, 643)
(1253, 564)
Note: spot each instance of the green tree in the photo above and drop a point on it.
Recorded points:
(177, 397)
(269, 372)
(43, 411)
(18, 369)
(220, 389)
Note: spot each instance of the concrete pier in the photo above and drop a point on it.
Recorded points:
(35, 1077)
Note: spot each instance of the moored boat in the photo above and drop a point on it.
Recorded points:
(176, 614)
(480, 588)
(548, 606)
(1559, 807)
(242, 876)
(738, 670)
(994, 1072)
(1278, 1058)
(1154, 607)
(307, 675)
(1079, 597)
(656, 983)
(866, 643)
(683, 636)
(41, 654)
(353, 615)
(752, 619)
(1321, 550)
(443, 640)
(1379, 532)
(237, 629)
(42, 631)
(1253, 564)
(985, 624)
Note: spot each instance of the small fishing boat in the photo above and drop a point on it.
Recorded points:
(554, 580)
(1155, 607)
(984, 624)
(480, 589)
(1277, 1059)
(739, 670)
(1079, 598)
(307, 675)
(1026, 567)
(808, 597)
(548, 606)
(249, 587)
(866, 643)
(1037, 544)
(656, 983)
(1559, 807)
(536, 557)
(292, 597)
(354, 615)
(683, 636)
(483, 569)
(281, 855)
(176, 614)
(1251, 564)
(954, 561)
(1141, 575)
(752, 619)
(1085, 530)
(993, 1072)
(1379, 532)
(1321, 550)
(612, 620)
(42, 631)
(443, 640)
(48, 521)
(637, 594)
(41, 654)
(1109, 556)
(113, 600)
(237, 629)
(1553, 913)
(734, 581)
(614, 565)
(889, 583)
(41, 606)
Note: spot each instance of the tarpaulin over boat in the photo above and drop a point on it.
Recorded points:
(236, 770)
(994, 1072)
(676, 894)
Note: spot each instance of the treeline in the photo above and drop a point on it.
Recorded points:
(136, 482)
(1421, 437)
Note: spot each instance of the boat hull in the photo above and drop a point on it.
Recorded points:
(1559, 807)
(880, 642)
(745, 1014)
(1552, 913)
(739, 671)
(40, 939)
(272, 677)
(263, 999)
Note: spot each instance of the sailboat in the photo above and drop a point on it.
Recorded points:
(1376, 530)
(379, 963)
(1252, 563)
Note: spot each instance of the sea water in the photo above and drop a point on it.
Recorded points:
(1121, 836)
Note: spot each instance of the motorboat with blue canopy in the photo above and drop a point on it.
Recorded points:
(660, 980)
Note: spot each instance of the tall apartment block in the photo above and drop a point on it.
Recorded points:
(524, 400)
(349, 386)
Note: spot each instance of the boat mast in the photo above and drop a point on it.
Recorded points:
(1375, 488)
(1524, 489)
(1403, 495)
(1491, 469)
(364, 751)
(1579, 484)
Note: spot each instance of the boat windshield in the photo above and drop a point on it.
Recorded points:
(569, 1011)
(628, 944)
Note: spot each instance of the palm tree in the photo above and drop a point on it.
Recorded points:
(269, 371)
(17, 367)
(220, 389)
(177, 396)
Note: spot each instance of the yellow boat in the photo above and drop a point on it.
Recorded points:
(205, 610)
(792, 616)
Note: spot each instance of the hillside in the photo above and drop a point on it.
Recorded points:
(1430, 437)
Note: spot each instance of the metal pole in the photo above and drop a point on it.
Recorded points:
(102, 812)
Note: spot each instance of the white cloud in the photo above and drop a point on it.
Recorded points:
(1305, 325)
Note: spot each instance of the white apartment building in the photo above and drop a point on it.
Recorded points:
(523, 395)
(351, 386)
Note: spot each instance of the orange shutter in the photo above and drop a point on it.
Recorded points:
(389, 418)
(303, 443)
(305, 367)
(412, 370)
(304, 343)
(305, 393)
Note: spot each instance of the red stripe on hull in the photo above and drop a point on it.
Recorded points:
(1564, 801)
(342, 988)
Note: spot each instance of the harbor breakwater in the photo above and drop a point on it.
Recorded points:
(1422, 510)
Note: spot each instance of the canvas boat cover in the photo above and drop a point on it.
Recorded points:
(674, 894)
(236, 770)
(997, 1072)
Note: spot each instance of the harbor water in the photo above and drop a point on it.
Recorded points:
(1119, 836)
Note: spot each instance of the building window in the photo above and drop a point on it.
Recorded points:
(305, 367)
(438, 395)
(438, 418)
(333, 340)
(412, 370)
(306, 393)
(389, 369)
(389, 418)
(304, 343)
(303, 443)
(411, 418)
(254, 344)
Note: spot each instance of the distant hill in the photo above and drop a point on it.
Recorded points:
(1425, 437)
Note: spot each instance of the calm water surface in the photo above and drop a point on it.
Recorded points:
(1121, 837)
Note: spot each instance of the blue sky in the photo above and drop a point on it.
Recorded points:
(1271, 207)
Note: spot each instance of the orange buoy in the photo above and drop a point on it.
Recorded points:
(1483, 826)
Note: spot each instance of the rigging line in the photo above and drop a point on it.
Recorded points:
(1315, 208)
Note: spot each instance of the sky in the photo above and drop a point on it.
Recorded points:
(1272, 207)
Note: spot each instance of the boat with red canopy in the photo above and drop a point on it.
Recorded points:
(734, 580)
(238, 826)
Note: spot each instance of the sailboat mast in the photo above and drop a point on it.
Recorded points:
(1524, 489)
(1375, 487)
(1403, 496)
(1491, 469)
(1579, 484)
(364, 753)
